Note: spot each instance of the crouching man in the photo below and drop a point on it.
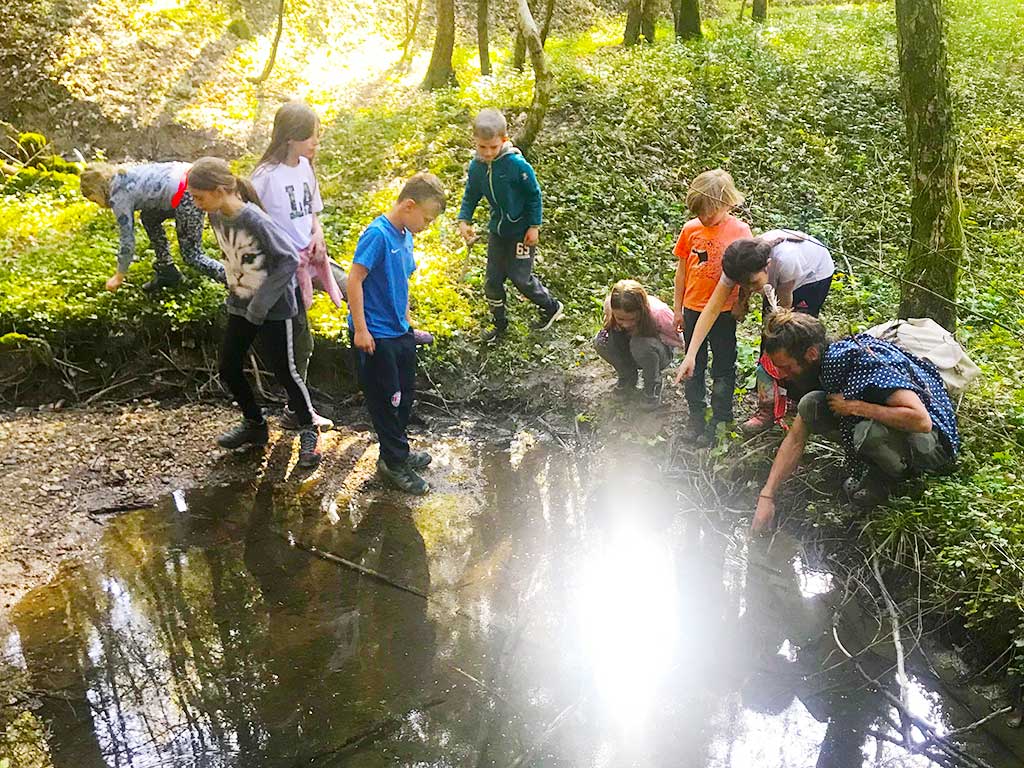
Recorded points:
(888, 409)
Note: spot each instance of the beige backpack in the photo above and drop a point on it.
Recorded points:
(924, 338)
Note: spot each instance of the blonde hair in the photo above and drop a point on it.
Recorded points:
(210, 173)
(712, 191)
(96, 179)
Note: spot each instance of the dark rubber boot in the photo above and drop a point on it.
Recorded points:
(164, 276)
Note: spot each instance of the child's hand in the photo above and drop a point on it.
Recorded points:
(468, 232)
(317, 247)
(532, 237)
(115, 282)
(364, 341)
(685, 370)
(679, 320)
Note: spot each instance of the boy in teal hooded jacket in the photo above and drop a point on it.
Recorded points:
(499, 172)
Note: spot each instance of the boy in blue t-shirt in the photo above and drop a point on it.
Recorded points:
(499, 172)
(378, 300)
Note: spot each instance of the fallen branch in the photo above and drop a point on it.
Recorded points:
(374, 732)
(332, 558)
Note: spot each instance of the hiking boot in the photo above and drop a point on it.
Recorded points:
(290, 421)
(403, 478)
(869, 490)
(695, 427)
(248, 432)
(494, 334)
(419, 459)
(763, 419)
(309, 448)
(548, 317)
(164, 276)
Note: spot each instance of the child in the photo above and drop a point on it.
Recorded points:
(639, 333)
(499, 172)
(287, 187)
(711, 198)
(378, 300)
(260, 264)
(792, 270)
(159, 192)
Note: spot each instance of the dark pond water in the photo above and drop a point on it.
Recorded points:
(574, 618)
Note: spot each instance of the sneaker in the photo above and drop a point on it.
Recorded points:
(624, 389)
(248, 432)
(493, 334)
(309, 448)
(651, 398)
(403, 478)
(763, 419)
(548, 317)
(419, 459)
(163, 277)
(290, 421)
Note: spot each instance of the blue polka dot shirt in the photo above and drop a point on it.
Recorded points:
(864, 368)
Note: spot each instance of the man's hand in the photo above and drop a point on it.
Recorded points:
(678, 315)
(532, 237)
(764, 515)
(841, 406)
(685, 370)
(115, 282)
(468, 232)
(364, 342)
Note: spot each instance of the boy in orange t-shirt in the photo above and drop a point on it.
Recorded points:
(702, 242)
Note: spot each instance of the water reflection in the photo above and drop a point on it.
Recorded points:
(575, 618)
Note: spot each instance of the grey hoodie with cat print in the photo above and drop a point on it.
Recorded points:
(260, 262)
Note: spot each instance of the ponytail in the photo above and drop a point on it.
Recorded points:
(210, 173)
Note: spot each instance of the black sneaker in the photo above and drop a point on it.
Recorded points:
(548, 317)
(696, 428)
(651, 398)
(309, 448)
(419, 459)
(164, 276)
(403, 478)
(248, 432)
(493, 334)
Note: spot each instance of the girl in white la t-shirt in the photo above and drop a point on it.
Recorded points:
(288, 189)
(794, 269)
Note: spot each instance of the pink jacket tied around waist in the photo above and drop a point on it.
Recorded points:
(316, 269)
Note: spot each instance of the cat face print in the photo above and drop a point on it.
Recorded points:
(244, 261)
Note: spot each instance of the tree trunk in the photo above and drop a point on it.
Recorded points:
(481, 37)
(272, 57)
(543, 81)
(759, 10)
(640, 19)
(688, 20)
(440, 72)
(936, 231)
(410, 33)
(519, 49)
(549, 13)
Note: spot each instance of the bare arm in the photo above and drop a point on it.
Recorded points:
(362, 338)
(707, 319)
(785, 294)
(903, 410)
(680, 289)
(786, 462)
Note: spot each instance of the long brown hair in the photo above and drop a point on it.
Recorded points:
(210, 173)
(294, 121)
(630, 296)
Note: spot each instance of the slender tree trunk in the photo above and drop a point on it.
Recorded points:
(936, 231)
(411, 28)
(759, 10)
(543, 80)
(272, 57)
(688, 20)
(519, 49)
(481, 37)
(549, 14)
(440, 72)
(640, 22)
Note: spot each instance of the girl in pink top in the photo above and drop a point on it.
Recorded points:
(639, 334)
